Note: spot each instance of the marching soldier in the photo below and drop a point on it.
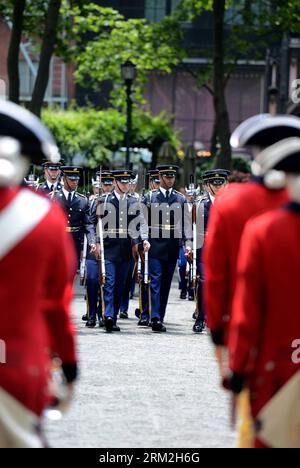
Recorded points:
(186, 282)
(107, 181)
(265, 314)
(118, 210)
(166, 234)
(130, 282)
(76, 207)
(142, 313)
(93, 292)
(230, 213)
(154, 181)
(213, 181)
(37, 255)
(52, 173)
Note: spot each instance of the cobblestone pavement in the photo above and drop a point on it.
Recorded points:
(140, 389)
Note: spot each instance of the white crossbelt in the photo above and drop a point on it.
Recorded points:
(19, 218)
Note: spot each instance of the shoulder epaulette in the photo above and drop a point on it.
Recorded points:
(81, 195)
(178, 193)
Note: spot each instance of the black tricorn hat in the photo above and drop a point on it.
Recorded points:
(282, 156)
(34, 138)
(264, 130)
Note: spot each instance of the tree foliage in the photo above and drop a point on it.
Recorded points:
(94, 134)
(105, 40)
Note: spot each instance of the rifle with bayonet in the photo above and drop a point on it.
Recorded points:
(102, 270)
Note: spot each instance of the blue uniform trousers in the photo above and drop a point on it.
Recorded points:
(184, 282)
(200, 298)
(116, 275)
(93, 288)
(129, 288)
(161, 273)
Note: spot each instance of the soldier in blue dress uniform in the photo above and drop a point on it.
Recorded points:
(153, 179)
(103, 182)
(119, 211)
(52, 173)
(130, 282)
(213, 181)
(166, 235)
(76, 207)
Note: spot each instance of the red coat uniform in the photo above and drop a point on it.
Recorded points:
(266, 319)
(36, 279)
(229, 214)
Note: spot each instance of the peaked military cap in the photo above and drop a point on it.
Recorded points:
(153, 175)
(34, 138)
(106, 177)
(71, 172)
(51, 165)
(124, 176)
(168, 170)
(216, 176)
(282, 156)
(264, 130)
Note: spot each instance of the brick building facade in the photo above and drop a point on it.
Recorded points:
(61, 87)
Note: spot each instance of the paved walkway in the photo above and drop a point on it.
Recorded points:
(140, 389)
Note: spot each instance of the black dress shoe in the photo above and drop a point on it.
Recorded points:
(183, 295)
(85, 318)
(101, 323)
(91, 323)
(123, 315)
(143, 323)
(191, 298)
(109, 324)
(137, 313)
(198, 327)
(158, 327)
(116, 328)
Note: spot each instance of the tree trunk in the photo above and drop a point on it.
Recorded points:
(48, 44)
(221, 113)
(214, 140)
(14, 50)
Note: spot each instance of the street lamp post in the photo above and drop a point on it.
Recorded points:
(128, 72)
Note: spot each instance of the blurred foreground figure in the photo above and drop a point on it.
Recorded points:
(265, 329)
(229, 215)
(37, 266)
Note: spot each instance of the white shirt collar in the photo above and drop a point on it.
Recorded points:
(118, 196)
(212, 198)
(164, 192)
(66, 193)
(50, 184)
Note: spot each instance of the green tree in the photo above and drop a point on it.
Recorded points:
(114, 40)
(95, 134)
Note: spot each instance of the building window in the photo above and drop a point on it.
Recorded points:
(156, 10)
(26, 79)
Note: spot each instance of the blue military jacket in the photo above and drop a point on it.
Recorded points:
(203, 210)
(79, 219)
(123, 225)
(166, 224)
(43, 188)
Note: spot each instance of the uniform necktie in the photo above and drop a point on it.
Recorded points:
(70, 198)
(167, 195)
(52, 188)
